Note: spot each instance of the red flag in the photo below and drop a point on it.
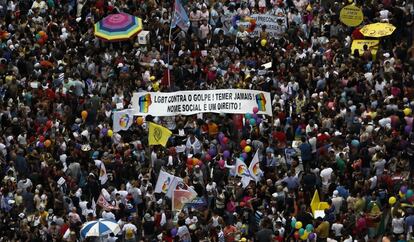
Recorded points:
(164, 80)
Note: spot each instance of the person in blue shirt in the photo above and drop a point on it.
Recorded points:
(305, 152)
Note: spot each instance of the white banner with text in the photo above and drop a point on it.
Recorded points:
(236, 101)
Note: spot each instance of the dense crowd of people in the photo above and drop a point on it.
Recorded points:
(342, 122)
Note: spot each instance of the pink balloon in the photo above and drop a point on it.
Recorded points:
(255, 110)
(221, 164)
(208, 157)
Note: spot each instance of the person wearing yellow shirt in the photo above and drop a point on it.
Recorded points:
(322, 230)
(43, 215)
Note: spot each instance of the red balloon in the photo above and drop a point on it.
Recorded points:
(225, 140)
(296, 235)
(41, 138)
(49, 124)
(243, 144)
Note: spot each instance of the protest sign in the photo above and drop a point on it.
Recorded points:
(234, 101)
(372, 44)
(351, 15)
(275, 25)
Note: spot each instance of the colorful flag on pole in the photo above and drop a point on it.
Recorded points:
(180, 18)
(103, 176)
(243, 172)
(122, 120)
(158, 135)
(241, 168)
(164, 182)
(167, 183)
(254, 168)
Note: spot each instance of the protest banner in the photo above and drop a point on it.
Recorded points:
(234, 101)
(275, 25)
(372, 44)
(351, 15)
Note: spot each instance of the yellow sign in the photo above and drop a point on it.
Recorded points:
(372, 44)
(351, 15)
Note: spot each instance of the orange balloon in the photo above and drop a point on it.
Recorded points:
(140, 120)
(84, 114)
(48, 143)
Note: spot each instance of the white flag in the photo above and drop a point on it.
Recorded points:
(122, 120)
(254, 168)
(246, 181)
(164, 182)
(103, 176)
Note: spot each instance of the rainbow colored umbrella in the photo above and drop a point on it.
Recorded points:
(118, 27)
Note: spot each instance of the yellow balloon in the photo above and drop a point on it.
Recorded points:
(110, 133)
(304, 236)
(140, 120)
(298, 225)
(407, 111)
(402, 195)
(47, 143)
(84, 114)
(263, 42)
(392, 200)
(247, 149)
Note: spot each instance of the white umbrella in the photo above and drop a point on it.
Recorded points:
(99, 228)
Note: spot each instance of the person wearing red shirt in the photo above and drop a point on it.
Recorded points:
(229, 233)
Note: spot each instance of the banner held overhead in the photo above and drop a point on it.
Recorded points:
(233, 101)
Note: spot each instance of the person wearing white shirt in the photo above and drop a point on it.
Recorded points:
(337, 201)
(205, 29)
(108, 215)
(398, 225)
(129, 230)
(337, 229)
(191, 219)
